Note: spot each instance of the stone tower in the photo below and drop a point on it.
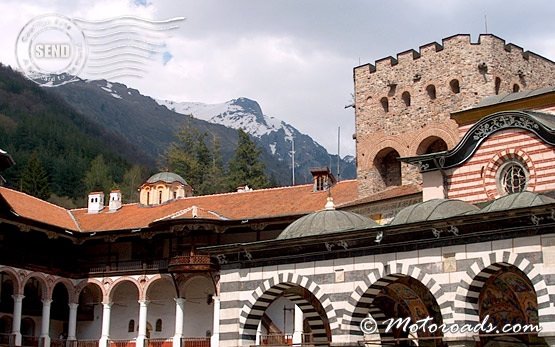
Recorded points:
(402, 106)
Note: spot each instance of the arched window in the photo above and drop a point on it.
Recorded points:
(497, 85)
(406, 98)
(159, 197)
(431, 89)
(158, 325)
(131, 326)
(516, 88)
(455, 87)
(147, 198)
(388, 167)
(385, 104)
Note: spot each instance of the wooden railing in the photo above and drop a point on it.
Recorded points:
(159, 342)
(29, 341)
(276, 340)
(192, 263)
(122, 343)
(195, 342)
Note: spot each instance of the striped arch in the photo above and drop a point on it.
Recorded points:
(43, 281)
(271, 289)
(71, 290)
(360, 302)
(120, 280)
(79, 287)
(152, 280)
(466, 300)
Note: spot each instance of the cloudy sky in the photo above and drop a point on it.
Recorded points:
(295, 57)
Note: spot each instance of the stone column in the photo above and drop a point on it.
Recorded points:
(258, 338)
(215, 338)
(16, 324)
(72, 324)
(298, 326)
(105, 336)
(45, 326)
(179, 312)
(143, 311)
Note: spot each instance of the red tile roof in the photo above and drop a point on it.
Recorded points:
(263, 203)
(38, 210)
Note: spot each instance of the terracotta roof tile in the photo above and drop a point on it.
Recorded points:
(254, 204)
(38, 210)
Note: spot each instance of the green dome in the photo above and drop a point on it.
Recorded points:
(432, 210)
(168, 177)
(517, 200)
(326, 222)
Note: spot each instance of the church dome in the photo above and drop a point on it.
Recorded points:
(326, 221)
(517, 200)
(432, 210)
(167, 177)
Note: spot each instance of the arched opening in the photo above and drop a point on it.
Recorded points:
(125, 299)
(497, 85)
(432, 144)
(455, 87)
(287, 314)
(405, 298)
(89, 313)
(31, 310)
(198, 293)
(161, 294)
(5, 330)
(406, 98)
(508, 298)
(6, 292)
(516, 88)
(388, 167)
(385, 104)
(431, 90)
(59, 311)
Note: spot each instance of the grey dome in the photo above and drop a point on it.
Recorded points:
(517, 200)
(432, 210)
(326, 222)
(168, 177)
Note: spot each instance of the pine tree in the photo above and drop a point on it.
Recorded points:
(98, 177)
(132, 179)
(246, 168)
(214, 179)
(34, 178)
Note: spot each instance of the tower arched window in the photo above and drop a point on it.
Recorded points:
(131, 326)
(455, 87)
(516, 88)
(385, 104)
(497, 85)
(406, 98)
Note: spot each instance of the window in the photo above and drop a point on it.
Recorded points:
(160, 197)
(497, 85)
(158, 324)
(406, 98)
(131, 326)
(431, 89)
(512, 177)
(455, 87)
(516, 88)
(174, 194)
(385, 104)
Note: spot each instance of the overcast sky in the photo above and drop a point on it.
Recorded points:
(294, 57)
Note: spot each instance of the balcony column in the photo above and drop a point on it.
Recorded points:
(143, 311)
(16, 324)
(179, 313)
(258, 337)
(45, 324)
(72, 324)
(215, 338)
(105, 336)
(298, 326)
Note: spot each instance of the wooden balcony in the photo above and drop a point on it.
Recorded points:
(192, 263)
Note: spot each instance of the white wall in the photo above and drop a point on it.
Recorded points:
(198, 314)
(161, 305)
(124, 308)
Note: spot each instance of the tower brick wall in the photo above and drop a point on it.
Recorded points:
(399, 113)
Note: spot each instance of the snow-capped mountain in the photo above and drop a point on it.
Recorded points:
(272, 134)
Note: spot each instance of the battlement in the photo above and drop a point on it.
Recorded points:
(451, 44)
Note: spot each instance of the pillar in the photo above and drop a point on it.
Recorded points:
(72, 324)
(179, 313)
(105, 336)
(298, 326)
(16, 324)
(258, 338)
(215, 338)
(45, 324)
(143, 311)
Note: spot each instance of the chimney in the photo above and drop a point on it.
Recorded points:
(96, 202)
(115, 200)
(243, 189)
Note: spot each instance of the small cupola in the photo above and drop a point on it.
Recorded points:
(115, 200)
(323, 178)
(95, 202)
